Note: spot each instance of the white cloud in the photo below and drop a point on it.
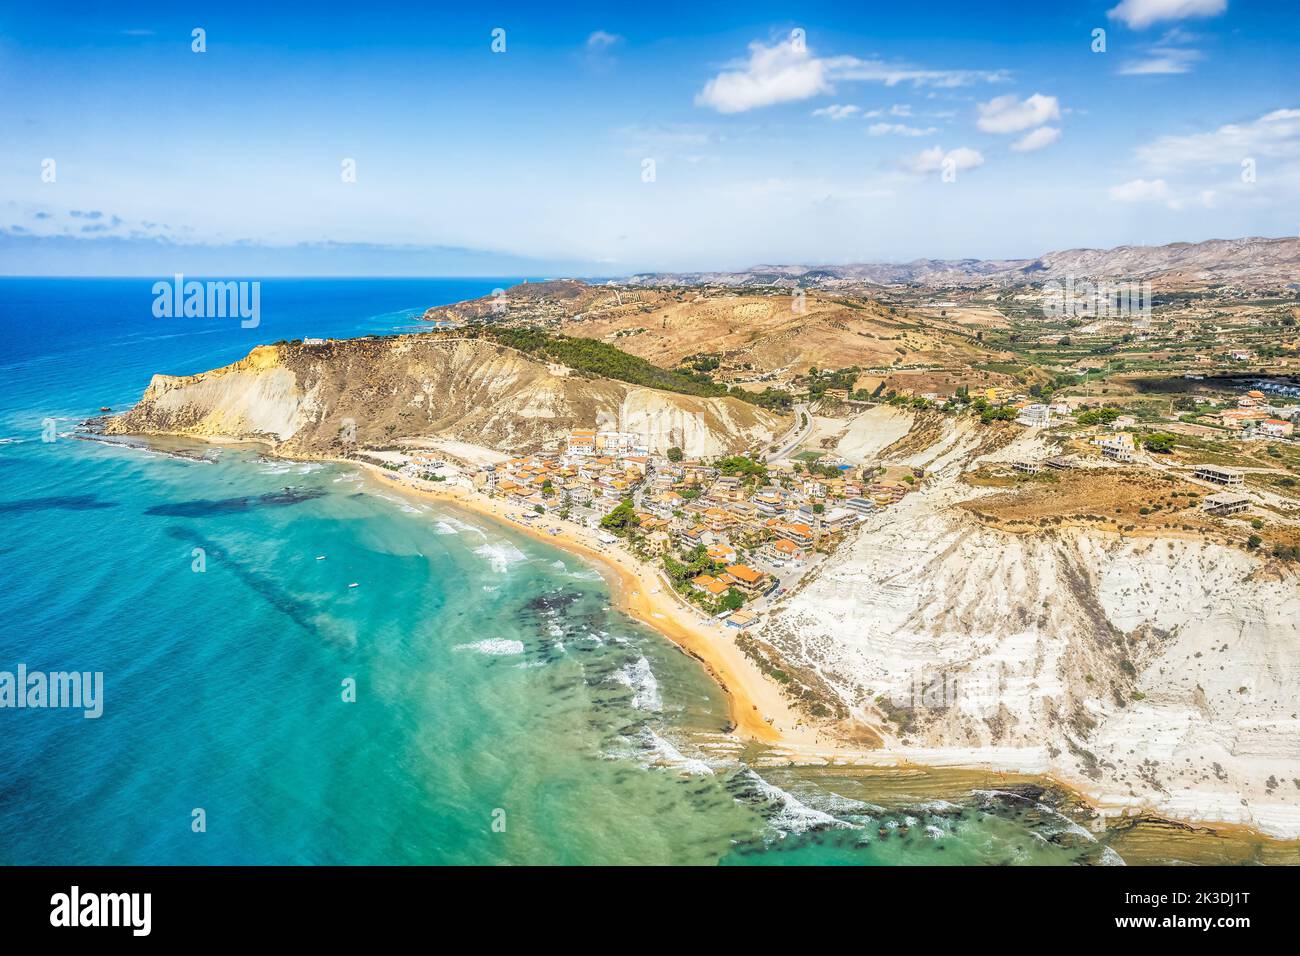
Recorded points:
(1162, 60)
(1006, 114)
(773, 74)
(1273, 135)
(787, 71)
(898, 109)
(878, 71)
(1139, 14)
(1040, 138)
(1157, 190)
(601, 40)
(900, 129)
(1141, 190)
(933, 159)
(835, 111)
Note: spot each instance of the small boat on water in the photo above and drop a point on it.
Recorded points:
(354, 585)
(320, 557)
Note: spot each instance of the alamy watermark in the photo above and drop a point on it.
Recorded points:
(1085, 299)
(128, 910)
(977, 692)
(208, 300)
(75, 690)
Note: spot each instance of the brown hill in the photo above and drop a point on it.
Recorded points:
(751, 332)
(307, 398)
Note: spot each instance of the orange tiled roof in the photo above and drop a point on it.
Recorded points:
(744, 573)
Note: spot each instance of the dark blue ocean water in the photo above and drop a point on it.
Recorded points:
(503, 712)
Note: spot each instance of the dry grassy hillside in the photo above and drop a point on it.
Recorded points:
(750, 331)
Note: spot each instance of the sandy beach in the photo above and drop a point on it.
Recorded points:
(757, 707)
(760, 711)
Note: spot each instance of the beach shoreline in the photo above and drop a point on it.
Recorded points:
(759, 710)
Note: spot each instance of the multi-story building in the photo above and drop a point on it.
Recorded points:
(747, 580)
(582, 442)
(1219, 474)
(783, 550)
(1036, 415)
(1225, 503)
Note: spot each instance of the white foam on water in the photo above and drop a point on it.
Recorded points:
(787, 813)
(444, 527)
(559, 565)
(641, 679)
(401, 504)
(494, 646)
(500, 555)
(1108, 857)
(834, 803)
(457, 525)
(664, 754)
(937, 806)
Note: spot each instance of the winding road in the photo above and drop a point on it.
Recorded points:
(803, 426)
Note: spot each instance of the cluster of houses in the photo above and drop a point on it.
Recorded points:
(1254, 417)
(777, 521)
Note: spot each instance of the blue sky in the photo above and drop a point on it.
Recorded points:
(790, 133)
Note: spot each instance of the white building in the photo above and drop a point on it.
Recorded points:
(1036, 415)
(621, 443)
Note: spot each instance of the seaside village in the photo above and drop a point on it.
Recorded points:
(731, 534)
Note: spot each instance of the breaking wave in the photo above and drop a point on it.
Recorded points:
(500, 555)
(494, 646)
(641, 679)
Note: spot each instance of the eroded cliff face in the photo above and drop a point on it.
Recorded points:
(1154, 671)
(306, 398)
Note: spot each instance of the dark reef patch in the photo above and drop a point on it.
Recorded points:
(202, 507)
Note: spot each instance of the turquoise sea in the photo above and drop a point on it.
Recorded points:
(503, 712)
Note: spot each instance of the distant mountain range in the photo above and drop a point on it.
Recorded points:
(1252, 263)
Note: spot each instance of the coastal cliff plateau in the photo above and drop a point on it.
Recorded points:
(1156, 671)
(315, 398)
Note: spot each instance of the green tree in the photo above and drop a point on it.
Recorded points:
(1098, 416)
(733, 600)
(1004, 414)
(740, 465)
(1162, 443)
(622, 519)
(675, 454)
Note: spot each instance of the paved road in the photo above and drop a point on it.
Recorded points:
(796, 435)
